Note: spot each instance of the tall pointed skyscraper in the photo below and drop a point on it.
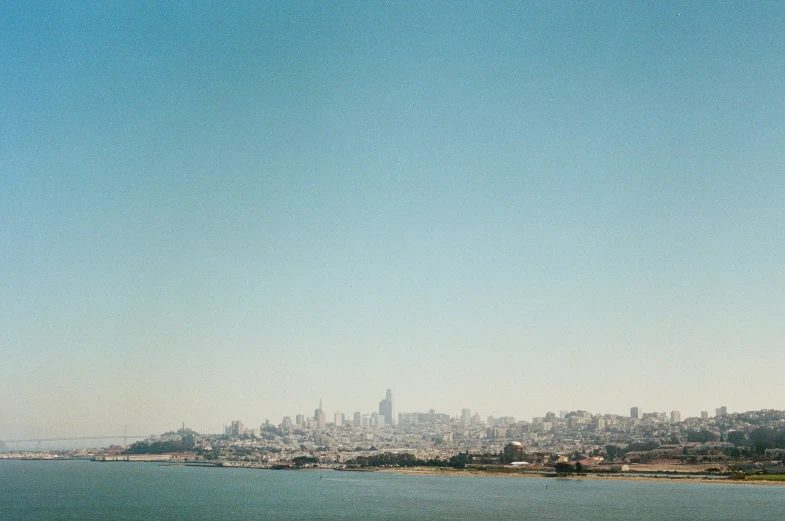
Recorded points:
(387, 409)
(319, 416)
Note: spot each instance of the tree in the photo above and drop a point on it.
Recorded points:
(643, 446)
(564, 469)
(579, 468)
(459, 461)
(701, 436)
(613, 451)
(762, 439)
(737, 438)
(160, 447)
(301, 461)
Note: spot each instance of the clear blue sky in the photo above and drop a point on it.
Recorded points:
(228, 211)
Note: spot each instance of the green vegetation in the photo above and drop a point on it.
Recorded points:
(243, 452)
(613, 451)
(737, 438)
(301, 461)
(767, 438)
(701, 436)
(406, 459)
(766, 477)
(161, 447)
(564, 469)
(642, 446)
(211, 455)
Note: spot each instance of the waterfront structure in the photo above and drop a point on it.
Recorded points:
(180, 456)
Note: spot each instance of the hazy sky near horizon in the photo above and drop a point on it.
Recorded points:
(218, 211)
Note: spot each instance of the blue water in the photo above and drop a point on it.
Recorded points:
(85, 491)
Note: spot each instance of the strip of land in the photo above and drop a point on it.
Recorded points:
(430, 471)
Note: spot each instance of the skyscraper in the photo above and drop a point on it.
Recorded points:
(236, 429)
(675, 417)
(635, 412)
(319, 416)
(387, 409)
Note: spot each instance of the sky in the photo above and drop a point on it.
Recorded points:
(222, 211)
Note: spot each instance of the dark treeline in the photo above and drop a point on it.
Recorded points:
(406, 459)
(766, 438)
(745, 444)
(302, 461)
(161, 447)
(757, 441)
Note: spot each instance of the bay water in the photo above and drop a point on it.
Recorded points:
(91, 491)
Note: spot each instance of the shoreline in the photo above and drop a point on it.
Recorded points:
(481, 473)
(589, 476)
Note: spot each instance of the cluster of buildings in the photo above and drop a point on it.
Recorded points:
(641, 436)
(637, 438)
(675, 416)
(385, 417)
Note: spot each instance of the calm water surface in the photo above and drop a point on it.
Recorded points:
(86, 491)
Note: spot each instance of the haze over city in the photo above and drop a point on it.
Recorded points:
(211, 212)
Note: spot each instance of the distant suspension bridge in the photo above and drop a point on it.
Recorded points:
(38, 441)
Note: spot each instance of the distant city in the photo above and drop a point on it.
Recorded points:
(644, 438)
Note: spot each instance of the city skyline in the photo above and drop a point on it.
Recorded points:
(359, 417)
(217, 211)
